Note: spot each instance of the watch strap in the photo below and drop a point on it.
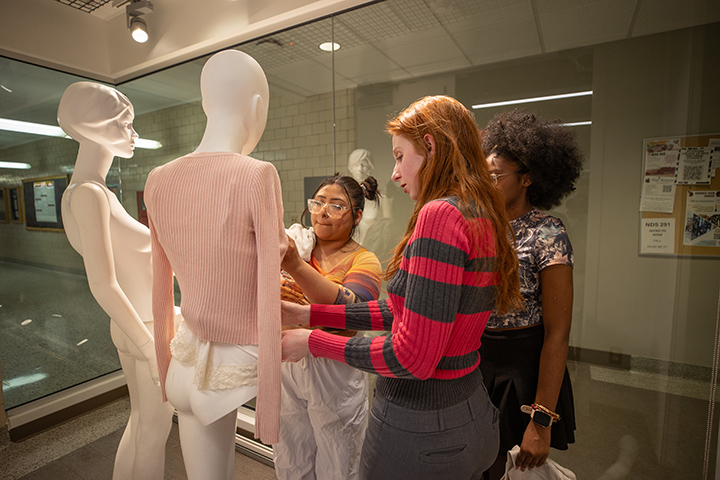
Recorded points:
(540, 415)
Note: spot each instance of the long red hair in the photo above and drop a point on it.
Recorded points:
(457, 168)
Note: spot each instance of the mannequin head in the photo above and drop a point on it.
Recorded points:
(235, 97)
(360, 164)
(91, 112)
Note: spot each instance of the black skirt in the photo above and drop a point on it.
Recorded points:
(509, 363)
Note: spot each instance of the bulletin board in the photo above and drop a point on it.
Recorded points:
(43, 200)
(680, 202)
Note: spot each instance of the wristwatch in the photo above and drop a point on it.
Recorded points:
(539, 417)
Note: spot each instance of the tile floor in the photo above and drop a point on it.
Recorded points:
(84, 449)
(624, 432)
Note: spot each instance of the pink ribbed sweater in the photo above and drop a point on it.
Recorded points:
(216, 222)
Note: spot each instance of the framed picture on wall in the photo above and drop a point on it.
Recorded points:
(42, 198)
(15, 204)
(4, 217)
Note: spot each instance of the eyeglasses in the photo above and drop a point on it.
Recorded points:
(496, 176)
(333, 209)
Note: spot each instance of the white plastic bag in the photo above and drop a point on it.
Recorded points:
(550, 470)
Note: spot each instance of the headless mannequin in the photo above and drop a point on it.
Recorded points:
(116, 254)
(235, 98)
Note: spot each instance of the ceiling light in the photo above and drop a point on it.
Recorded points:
(133, 11)
(54, 131)
(577, 124)
(329, 46)
(29, 127)
(147, 144)
(17, 165)
(138, 30)
(532, 100)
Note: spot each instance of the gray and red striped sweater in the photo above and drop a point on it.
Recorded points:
(438, 304)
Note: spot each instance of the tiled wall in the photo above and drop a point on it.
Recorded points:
(298, 140)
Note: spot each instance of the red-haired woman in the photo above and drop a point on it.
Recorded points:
(431, 416)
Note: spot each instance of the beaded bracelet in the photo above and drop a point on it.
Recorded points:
(537, 406)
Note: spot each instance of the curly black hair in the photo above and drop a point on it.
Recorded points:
(545, 149)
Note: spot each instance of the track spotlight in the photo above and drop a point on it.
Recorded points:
(138, 30)
(133, 11)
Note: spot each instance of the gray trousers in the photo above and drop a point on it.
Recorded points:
(455, 443)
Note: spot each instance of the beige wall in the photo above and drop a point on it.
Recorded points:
(665, 308)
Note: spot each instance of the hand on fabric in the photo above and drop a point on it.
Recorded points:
(294, 314)
(535, 447)
(292, 257)
(295, 344)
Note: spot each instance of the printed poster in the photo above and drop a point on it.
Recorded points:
(44, 195)
(702, 219)
(694, 166)
(657, 235)
(660, 168)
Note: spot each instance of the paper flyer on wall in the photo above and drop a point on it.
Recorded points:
(660, 166)
(693, 166)
(657, 235)
(702, 219)
(45, 208)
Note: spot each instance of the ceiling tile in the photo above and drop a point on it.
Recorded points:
(586, 24)
(664, 15)
(499, 42)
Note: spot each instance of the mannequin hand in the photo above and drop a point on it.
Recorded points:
(292, 258)
(294, 314)
(295, 344)
(148, 353)
(535, 447)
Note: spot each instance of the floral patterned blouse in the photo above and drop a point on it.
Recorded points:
(541, 241)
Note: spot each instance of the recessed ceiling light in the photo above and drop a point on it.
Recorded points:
(329, 46)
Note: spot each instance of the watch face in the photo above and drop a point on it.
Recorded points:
(542, 418)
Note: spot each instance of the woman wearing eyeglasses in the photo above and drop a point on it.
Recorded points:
(431, 417)
(535, 164)
(325, 403)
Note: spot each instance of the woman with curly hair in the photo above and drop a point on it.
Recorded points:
(535, 164)
(431, 417)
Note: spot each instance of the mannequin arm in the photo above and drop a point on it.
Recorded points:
(91, 210)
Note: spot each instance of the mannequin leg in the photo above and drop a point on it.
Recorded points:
(124, 457)
(141, 452)
(152, 429)
(208, 450)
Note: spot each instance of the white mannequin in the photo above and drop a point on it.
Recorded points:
(116, 253)
(360, 167)
(235, 97)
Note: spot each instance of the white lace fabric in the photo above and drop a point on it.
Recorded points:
(218, 366)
